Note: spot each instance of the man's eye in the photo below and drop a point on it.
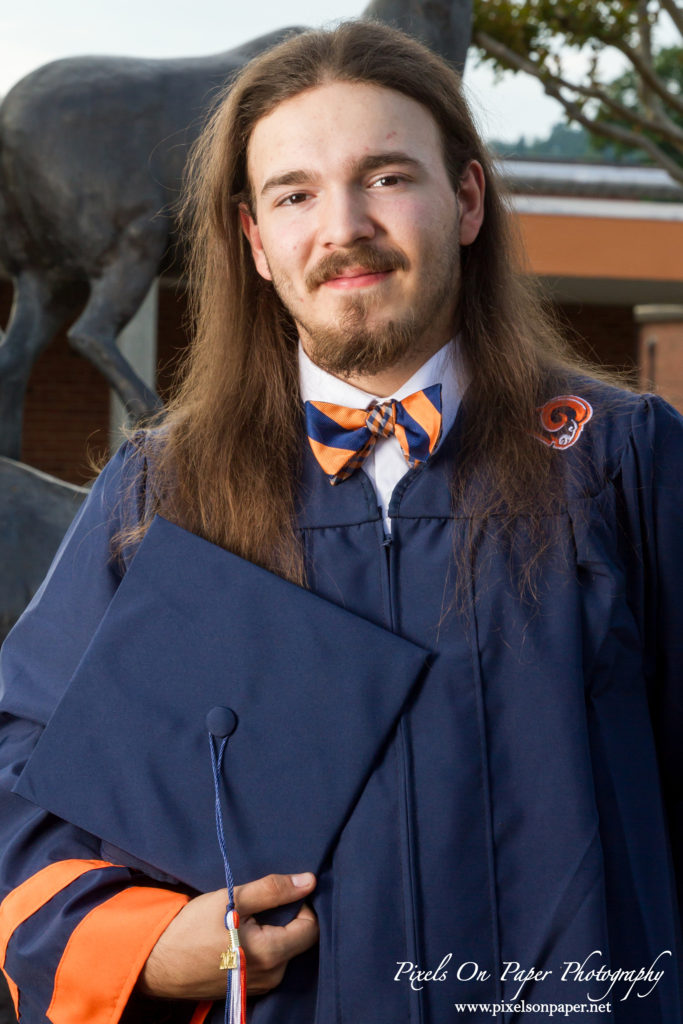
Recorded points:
(388, 179)
(293, 199)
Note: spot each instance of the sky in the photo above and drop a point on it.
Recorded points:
(33, 32)
(37, 31)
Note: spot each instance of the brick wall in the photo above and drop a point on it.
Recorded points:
(66, 417)
(607, 335)
(661, 359)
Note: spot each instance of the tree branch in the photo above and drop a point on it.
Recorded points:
(650, 100)
(645, 30)
(644, 48)
(658, 122)
(530, 67)
(649, 76)
(554, 87)
(623, 135)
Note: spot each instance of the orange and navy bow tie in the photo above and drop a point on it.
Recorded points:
(342, 438)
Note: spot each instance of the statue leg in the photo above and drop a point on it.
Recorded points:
(38, 311)
(115, 297)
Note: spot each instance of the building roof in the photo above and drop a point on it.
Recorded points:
(565, 178)
(599, 233)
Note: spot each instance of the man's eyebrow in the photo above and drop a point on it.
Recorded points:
(371, 162)
(288, 178)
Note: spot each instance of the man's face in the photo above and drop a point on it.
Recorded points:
(356, 224)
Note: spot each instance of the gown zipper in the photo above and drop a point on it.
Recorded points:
(406, 814)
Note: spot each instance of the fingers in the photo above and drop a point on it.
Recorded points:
(272, 891)
(285, 941)
(184, 963)
(302, 933)
(269, 948)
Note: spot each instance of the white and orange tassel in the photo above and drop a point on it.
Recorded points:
(234, 960)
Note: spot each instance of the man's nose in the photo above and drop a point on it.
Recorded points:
(344, 218)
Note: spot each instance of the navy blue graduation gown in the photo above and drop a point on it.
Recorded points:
(516, 829)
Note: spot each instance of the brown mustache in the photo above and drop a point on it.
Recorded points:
(374, 261)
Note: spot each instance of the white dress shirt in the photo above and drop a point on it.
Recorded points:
(386, 463)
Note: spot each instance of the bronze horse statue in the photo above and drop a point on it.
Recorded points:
(35, 510)
(92, 151)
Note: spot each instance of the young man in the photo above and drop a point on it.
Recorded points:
(455, 488)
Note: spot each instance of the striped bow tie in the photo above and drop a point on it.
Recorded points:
(342, 438)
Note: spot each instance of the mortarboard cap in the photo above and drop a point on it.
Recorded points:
(198, 640)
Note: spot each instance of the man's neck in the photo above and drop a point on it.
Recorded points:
(387, 382)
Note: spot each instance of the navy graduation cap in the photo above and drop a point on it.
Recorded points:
(198, 644)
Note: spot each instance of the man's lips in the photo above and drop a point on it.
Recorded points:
(358, 278)
(361, 268)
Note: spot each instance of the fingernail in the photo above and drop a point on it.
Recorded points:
(302, 881)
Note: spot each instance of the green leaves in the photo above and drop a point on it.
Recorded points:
(563, 44)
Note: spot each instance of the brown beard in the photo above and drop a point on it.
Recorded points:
(351, 346)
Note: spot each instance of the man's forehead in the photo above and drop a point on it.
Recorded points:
(338, 122)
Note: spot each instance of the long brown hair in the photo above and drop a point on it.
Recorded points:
(226, 460)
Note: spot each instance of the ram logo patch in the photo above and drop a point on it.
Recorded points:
(562, 419)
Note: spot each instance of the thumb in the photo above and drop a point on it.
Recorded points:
(272, 891)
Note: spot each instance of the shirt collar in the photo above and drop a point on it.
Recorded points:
(444, 367)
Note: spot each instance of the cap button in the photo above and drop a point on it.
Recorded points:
(221, 722)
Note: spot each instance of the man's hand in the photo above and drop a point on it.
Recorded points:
(184, 962)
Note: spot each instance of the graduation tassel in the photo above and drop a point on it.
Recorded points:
(233, 959)
(235, 962)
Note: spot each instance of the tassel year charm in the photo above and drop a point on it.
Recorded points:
(233, 960)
